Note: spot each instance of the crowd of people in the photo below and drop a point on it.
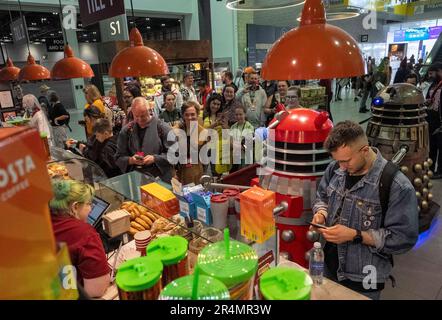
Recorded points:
(136, 136)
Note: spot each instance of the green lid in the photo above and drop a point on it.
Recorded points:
(283, 283)
(208, 289)
(239, 265)
(170, 250)
(43, 135)
(139, 274)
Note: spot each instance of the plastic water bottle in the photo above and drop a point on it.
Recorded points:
(316, 266)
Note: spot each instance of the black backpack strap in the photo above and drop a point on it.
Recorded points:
(385, 183)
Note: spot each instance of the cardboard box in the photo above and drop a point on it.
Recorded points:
(28, 265)
(202, 203)
(160, 200)
(116, 222)
(257, 221)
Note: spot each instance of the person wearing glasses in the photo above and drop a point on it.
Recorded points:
(70, 208)
(363, 231)
(292, 98)
(142, 144)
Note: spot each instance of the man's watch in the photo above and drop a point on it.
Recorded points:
(358, 237)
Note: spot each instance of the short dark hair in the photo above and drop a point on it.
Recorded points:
(215, 96)
(102, 126)
(202, 83)
(53, 97)
(164, 78)
(228, 74)
(343, 134)
(411, 75)
(134, 90)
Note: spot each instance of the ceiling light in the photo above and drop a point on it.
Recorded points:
(9, 72)
(137, 60)
(33, 71)
(71, 67)
(261, 5)
(320, 57)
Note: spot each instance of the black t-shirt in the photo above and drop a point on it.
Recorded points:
(141, 134)
(331, 251)
(56, 111)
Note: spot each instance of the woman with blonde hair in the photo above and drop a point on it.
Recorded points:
(94, 99)
(38, 117)
(70, 208)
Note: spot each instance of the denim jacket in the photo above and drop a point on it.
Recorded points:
(361, 209)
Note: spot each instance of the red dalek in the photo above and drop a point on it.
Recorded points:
(293, 166)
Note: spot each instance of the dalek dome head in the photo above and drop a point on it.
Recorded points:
(399, 94)
(303, 125)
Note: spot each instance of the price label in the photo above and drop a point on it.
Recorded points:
(184, 207)
(202, 214)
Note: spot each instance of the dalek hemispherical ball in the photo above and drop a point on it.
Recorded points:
(430, 162)
(418, 168)
(430, 174)
(404, 169)
(424, 205)
(312, 236)
(417, 182)
(418, 195)
(425, 178)
(288, 235)
(426, 165)
(429, 185)
(430, 197)
(425, 192)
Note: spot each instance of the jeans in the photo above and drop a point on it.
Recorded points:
(364, 98)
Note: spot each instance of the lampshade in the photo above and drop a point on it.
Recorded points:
(314, 50)
(71, 67)
(33, 71)
(9, 72)
(137, 60)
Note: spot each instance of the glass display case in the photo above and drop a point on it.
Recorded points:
(67, 164)
(126, 187)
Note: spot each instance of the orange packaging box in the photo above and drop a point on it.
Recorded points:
(160, 199)
(257, 221)
(28, 260)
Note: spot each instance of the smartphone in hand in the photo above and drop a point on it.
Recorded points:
(317, 225)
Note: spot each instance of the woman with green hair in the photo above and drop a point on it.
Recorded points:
(70, 208)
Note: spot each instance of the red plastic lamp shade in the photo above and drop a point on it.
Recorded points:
(33, 71)
(9, 72)
(71, 67)
(314, 50)
(137, 60)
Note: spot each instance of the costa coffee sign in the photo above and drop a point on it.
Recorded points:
(93, 11)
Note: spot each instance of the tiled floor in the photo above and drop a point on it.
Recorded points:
(418, 273)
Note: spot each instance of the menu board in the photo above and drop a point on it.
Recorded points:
(6, 100)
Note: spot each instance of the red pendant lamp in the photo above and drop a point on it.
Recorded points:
(33, 71)
(9, 72)
(71, 67)
(137, 60)
(314, 50)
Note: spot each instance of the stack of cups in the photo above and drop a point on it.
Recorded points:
(142, 239)
(219, 206)
(231, 194)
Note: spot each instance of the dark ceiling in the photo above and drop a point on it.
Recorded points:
(43, 25)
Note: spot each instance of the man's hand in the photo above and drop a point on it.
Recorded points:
(81, 147)
(134, 161)
(70, 143)
(338, 234)
(148, 160)
(319, 219)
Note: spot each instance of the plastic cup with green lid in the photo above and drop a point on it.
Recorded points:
(229, 261)
(283, 283)
(195, 287)
(140, 275)
(172, 252)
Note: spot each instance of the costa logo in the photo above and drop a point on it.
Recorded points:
(16, 170)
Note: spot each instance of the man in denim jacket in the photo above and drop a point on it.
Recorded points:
(358, 248)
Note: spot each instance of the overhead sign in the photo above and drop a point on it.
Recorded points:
(114, 29)
(54, 45)
(93, 11)
(18, 29)
(416, 34)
